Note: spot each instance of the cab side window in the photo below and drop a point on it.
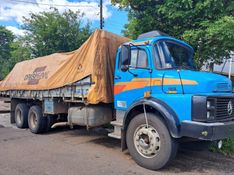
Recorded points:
(142, 60)
(139, 58)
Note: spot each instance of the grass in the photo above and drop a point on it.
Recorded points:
(227, 148)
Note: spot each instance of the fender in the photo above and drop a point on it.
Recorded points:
(168, 114)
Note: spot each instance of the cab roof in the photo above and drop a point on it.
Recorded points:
(153, 36)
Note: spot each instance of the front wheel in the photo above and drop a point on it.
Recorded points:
(150, 146)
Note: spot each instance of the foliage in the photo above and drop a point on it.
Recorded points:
(6, 39)
(50, 32)
(12, 50)
(19, 52)
(206, 24)
(227, 148)
(214, 41)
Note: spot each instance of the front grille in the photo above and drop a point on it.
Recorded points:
(222, 109)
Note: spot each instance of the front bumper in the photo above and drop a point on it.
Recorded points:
(207, 131)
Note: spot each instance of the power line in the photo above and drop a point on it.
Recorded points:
(47, 4)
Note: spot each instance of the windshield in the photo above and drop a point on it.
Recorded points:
(170, 55)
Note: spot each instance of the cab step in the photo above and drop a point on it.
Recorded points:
(114, 135)
(118, 124)
(117, 130)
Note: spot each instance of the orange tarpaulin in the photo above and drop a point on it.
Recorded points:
(96, 57)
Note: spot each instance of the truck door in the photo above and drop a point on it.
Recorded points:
(131, 84)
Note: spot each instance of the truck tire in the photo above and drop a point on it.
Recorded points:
(21, 115)
(36, 121)
(151, 147)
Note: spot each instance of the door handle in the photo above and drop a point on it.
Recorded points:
(117, 77)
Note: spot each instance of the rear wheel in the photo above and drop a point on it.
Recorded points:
(36, 121)
(21, 115)
(150, 146)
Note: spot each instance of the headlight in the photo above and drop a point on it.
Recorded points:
(203, 108)
(208, 114)
(210, 105)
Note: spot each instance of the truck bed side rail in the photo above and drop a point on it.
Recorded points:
(73, 92)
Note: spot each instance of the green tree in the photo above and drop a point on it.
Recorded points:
(19, 51)
(6, 39)
(206, 24)
(213, 41)
(50, 32)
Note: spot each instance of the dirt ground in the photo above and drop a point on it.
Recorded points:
(64, 151)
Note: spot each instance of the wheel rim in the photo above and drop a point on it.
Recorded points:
(19, 117)
(33, 120)
(147, 141)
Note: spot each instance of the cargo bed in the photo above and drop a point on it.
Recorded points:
(75, 92)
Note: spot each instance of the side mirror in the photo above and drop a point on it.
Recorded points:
(125, 57)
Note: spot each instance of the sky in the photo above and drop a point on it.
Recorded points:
(13, 11)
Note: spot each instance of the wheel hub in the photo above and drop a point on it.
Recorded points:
(19, 117)
(147, 141)
(33, 120)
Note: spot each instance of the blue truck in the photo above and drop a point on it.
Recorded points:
(160, 98)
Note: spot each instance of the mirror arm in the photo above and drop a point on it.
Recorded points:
(135, 75)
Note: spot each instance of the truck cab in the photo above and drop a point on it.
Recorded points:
(160, 97)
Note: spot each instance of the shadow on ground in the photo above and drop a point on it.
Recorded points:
(187, 160)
